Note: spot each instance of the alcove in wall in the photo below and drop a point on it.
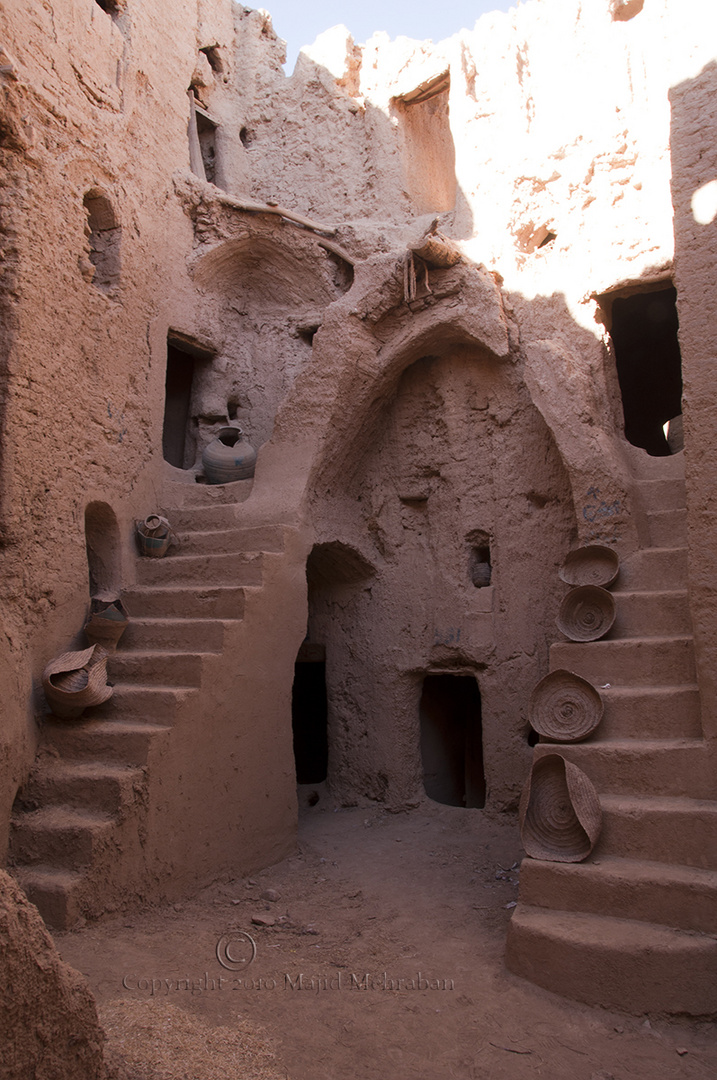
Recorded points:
(102, 541)
(104, 234)
(184, 357)
(452, 740)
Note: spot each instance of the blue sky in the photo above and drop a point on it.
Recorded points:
(299, 24)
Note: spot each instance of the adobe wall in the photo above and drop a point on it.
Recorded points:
(694, 192)
(496, 388)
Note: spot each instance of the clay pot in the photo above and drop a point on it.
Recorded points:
(229, 457)
(107, 622)
(586, 614)
(560, 813)
(154, 535)
(592, 564)
(75, 680)
(564, 707)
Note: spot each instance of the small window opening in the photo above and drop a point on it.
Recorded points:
(306, 333)
(343, 274)
(479, 565)
(213, 55)
(452, 740)
(112, 7)
(247, 136)
(207, 133)
(644, 330)
(179, 433)
(102, 541)
(309, 716)
(104, 235)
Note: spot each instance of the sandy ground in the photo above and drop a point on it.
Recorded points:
(383, 958)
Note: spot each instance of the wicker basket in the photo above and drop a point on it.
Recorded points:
(560, 813)
(564, 707)
(154, 535)
(590, 565)
(587, 613)
(75, 680)
(107, 622)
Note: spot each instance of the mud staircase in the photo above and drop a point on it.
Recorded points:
(635, 926)
(76, 839)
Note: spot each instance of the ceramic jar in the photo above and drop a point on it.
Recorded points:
(229, 457)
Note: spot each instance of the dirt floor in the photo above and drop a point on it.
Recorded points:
(383, 956)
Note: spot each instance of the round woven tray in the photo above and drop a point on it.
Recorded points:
(560, 813)
(590, 565)
(587, 613)
(564, 707)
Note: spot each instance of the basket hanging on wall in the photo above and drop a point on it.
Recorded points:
(560, 813)
(154, 535)
(75, 680)
(587, 613)
(564, 707)
(107, 622)
(592, 564)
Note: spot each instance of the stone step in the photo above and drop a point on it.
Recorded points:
(150, 667)
(654, 569)
(660, 828)
(59, 835)
(126, 741)
(650, 614)
(667, 494)
(268, 538)
(100, 786)
(206, 496)
(157, 704)
(615, 963)
(55, 892)
(177, 635)
(667, 528)
(664, 661)
(642, 767)
(650, 712)
(198, 601)
(186, 518)
(208, 570)
(683, 897)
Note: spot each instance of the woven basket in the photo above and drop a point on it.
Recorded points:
(560, 813)
(154, 535)
(564, 707)
(590, 565)
(75, 680)
(107, 622)
(587, 613)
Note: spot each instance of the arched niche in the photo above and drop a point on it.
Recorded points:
(102, 540)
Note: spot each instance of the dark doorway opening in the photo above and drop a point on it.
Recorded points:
(452, 740)
(309, 716)
(177, 401)
(649, 366)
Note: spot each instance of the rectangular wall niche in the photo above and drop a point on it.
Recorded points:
(178, 433)
(452, 740)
